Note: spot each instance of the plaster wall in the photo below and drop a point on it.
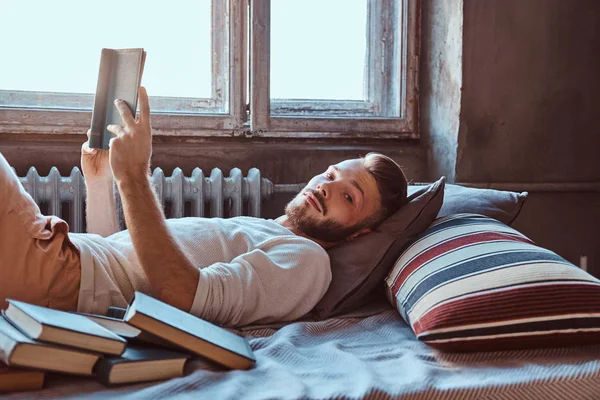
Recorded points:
(529, 113)
(441, 82)
(530, 102)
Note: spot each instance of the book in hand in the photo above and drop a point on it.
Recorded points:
(17, 379)
(189, 332)
(140, 364)
(17, 349)
(119, 77)
(63, 328)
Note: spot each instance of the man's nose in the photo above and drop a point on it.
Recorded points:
(324, 189)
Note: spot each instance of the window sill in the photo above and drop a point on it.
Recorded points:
(65, 123)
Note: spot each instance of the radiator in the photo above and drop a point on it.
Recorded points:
(196, 195)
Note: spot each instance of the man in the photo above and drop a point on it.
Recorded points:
(235, 272)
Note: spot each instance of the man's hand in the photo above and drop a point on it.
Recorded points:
(130, 151)
(94, 164)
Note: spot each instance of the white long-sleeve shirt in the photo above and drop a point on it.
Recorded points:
(252, 270)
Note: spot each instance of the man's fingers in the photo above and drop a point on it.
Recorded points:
(116, 129)
(86, 149)
(125, 113)
(110, 143)
(144, 106)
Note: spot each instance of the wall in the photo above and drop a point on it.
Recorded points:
(530, 112)
(280, 161)
(530, 101)
(441, 83)
(509, 93)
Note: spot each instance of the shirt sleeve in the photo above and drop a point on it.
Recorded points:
(277, 282)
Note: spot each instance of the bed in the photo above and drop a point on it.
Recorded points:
(372, 354)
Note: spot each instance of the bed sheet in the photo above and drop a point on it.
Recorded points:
(370, 354)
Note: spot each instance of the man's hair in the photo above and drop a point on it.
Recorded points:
(391, 183)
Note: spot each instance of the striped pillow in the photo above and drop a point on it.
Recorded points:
(471, 283)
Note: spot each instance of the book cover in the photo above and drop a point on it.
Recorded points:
(115, 325)
(129, 332)
(140, 364)
(189, 332)
(62, 327)
(17, 349)
(119, 77)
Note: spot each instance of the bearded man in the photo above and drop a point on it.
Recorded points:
(234, 272)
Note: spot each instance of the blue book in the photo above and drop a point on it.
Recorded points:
(189, 332)
(140, 364)
(63, 328)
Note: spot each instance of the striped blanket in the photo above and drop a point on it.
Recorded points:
(371, 354)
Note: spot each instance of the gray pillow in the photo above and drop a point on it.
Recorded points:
(360, 265)
(497, 204)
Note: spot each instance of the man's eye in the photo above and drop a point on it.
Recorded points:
(328, 176)
(348, 198)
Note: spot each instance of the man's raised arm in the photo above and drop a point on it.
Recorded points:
(100, 213)
(173, 278)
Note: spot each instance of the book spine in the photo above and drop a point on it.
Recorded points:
(102, 371)
(99, 136)
(116, 312)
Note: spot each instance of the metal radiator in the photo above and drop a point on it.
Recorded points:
(195, 196)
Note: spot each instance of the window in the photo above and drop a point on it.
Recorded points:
(266, 68)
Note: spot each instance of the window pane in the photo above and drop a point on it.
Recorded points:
(318, 49)
(54, 46)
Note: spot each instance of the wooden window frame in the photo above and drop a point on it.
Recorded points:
(228, 114)
(225, 111)
(397, 84)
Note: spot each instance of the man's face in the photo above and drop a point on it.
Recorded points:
(333, 204)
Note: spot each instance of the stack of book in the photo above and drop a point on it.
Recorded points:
(152, 341)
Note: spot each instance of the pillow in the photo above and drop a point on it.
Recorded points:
(360, 265)
(471, 283)
(498, 204)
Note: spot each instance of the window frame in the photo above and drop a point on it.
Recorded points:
(296, 119)
(225, 111)
(249, 74)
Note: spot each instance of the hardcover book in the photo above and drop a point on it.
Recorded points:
(140, 364)
(17, 349)
(119, 77)
(129, 332)
(63, 328)
(17, 379)
(189, 332)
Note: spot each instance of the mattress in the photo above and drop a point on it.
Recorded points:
(369, 354)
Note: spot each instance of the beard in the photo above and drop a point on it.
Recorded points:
(326, 230)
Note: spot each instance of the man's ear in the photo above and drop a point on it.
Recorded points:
(359, 233)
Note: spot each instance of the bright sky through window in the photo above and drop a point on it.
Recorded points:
(317, 46)
(54, 46)
(318, 49)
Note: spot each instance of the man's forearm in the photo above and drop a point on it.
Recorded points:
(172, 276)
(101, 213)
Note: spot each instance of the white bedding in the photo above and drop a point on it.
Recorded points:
(374, 356)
